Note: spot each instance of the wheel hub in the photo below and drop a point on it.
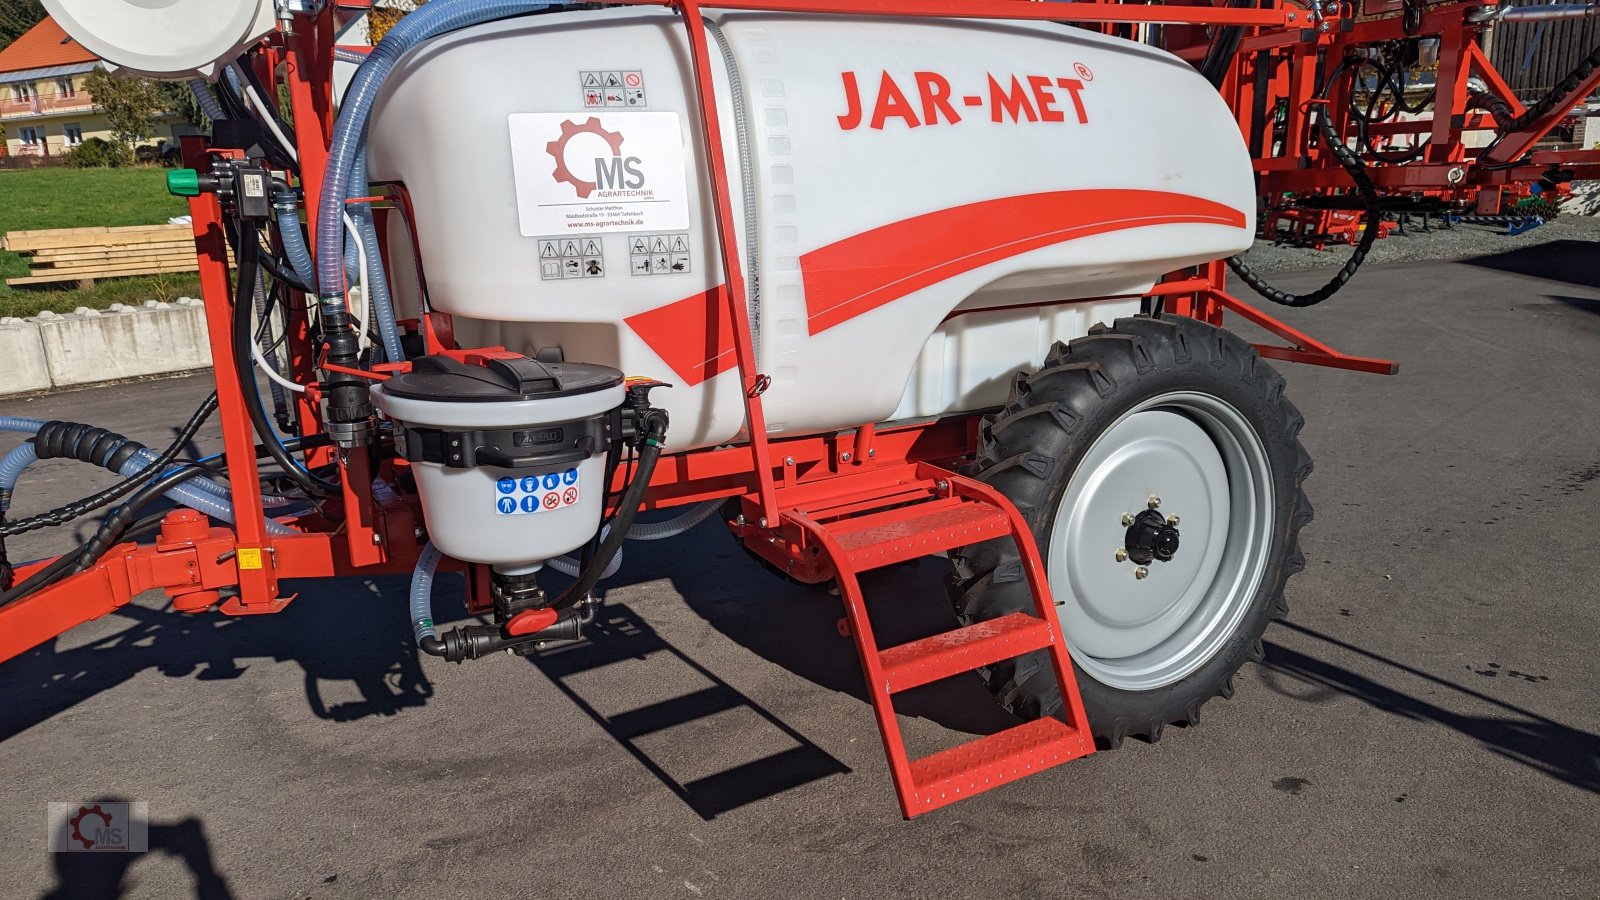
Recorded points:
(1136, 612)
(1151, 537)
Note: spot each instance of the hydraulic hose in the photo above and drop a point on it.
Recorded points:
(422, 601)
(266, 353)
(377, 282)
(349, 131)
(627, 511)
(249, 250)
(21, 457)
(26, 454)
(1501, 111)
(1353, 165)
(657, 531)
(114, 527)
(130, 460)
(641, 531)
(206, 100)
(286, 207)
(104, 448)
(472, 642)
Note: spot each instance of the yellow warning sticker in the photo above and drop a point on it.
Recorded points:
(249, 558)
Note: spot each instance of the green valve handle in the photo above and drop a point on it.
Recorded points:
(183, 183)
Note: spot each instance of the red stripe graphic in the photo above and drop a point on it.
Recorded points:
(845, 279)
(693, 335)
(866, 271)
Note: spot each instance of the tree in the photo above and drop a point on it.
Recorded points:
(130, 105)
(16, 17)
(384, 15)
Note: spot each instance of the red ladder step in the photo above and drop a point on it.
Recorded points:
(892, 536)
(957, 511)
(999, 758)
(963, 650)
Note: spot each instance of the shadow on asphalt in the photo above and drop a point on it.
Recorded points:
(619, 635)
(1569, 261)
(313, 632)
(103, 876)
(1561, 752)
(789, 625)
(1583, 304)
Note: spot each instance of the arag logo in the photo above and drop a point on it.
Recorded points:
(586, 148)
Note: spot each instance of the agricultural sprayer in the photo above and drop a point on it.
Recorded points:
(867, 282)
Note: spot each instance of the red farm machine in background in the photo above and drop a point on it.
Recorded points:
(866, 328)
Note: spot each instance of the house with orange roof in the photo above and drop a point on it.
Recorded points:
(44, 109)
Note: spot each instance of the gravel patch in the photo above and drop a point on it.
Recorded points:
(1439, 243)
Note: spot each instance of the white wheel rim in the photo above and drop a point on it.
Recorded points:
(1205, 463)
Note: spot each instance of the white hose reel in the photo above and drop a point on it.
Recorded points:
(168, 39)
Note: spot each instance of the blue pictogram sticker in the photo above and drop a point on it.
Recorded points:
(506, 485)
(530, 484)
(552, 481)
(570, 476)
(530, 503)
(507, 506)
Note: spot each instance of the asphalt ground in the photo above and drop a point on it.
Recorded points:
(1424, 726)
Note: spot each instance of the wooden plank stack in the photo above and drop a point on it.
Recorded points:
(85, 254)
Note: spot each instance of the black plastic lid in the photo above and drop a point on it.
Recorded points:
(448, 380)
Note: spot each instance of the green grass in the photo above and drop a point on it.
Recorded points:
(75, 198)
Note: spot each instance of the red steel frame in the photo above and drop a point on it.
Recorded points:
(1274, 66)
(238, 570)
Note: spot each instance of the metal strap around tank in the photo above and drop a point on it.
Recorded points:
(747, 184)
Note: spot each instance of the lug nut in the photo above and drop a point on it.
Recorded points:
(1173, 521)
(1127, 519)
(1122, 555)
(1154, 502)
(1140, 573)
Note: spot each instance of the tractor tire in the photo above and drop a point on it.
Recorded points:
(1170, 415)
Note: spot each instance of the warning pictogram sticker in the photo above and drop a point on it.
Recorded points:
(535, 494)
(619, 89)
(659, 254)
(571, 258)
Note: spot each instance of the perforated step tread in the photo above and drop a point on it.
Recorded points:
(896, 535)
(1000, 758)
(927, 660)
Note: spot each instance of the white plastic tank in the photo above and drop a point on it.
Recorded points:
(909, 194)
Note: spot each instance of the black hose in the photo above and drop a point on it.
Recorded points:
(281, 273)
(248, 252)
(115, 527)
(112, 529)
(473, 642)
(78, 508)
(1357, 170)
(1501, 111)
(627, 512)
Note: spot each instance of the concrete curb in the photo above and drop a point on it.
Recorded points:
(93, 346)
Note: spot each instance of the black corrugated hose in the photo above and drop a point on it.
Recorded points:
(1352, 164)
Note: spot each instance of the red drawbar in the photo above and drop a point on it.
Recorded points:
(693, 335)
(866, 271)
